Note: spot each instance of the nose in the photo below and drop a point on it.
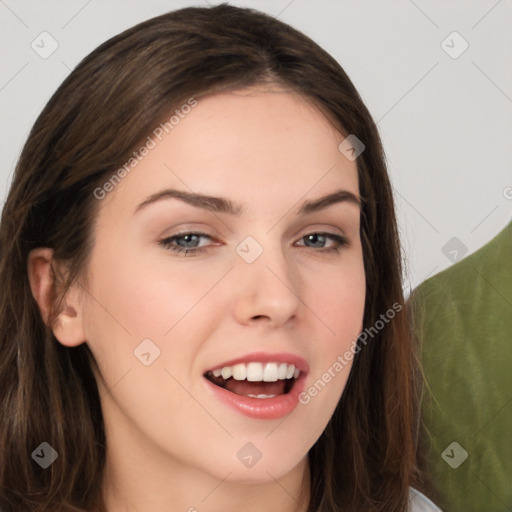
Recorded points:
(267, 289)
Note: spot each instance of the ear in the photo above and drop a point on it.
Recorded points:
(45, 286)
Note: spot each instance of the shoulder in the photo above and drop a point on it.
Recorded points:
(420, 503)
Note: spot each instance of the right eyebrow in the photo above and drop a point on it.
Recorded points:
(212, 203)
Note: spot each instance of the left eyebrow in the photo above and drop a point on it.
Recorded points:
(223, 205)
(340, 196)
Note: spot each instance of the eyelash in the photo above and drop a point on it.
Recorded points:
(340, 240)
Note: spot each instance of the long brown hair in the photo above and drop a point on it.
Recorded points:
(365, 459)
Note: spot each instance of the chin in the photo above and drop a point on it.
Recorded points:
(261, 473)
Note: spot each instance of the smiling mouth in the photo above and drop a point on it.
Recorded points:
(255, 380)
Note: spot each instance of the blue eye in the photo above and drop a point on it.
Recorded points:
(188, 238)
(340, 241)
(187, 243)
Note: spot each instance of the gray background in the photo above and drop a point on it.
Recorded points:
(446, 122)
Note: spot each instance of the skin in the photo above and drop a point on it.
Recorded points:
(171, 447)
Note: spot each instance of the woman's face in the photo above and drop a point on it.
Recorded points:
(270, 287)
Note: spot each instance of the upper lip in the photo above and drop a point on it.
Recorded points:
(266, 357)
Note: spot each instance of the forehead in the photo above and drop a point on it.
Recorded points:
(253, 145)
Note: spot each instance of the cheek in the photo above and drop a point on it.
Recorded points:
(132, 299)
(338, 302)
(147, 299)
(337, 297)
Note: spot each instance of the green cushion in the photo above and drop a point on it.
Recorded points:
(463, 318)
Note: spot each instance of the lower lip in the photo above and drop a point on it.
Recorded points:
(261, 408)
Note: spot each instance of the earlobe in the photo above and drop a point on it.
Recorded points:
(44, 285)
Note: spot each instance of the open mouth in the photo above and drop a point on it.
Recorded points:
(255, 380)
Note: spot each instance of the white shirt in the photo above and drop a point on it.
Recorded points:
(420, 503)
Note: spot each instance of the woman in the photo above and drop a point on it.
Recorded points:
(202, 304)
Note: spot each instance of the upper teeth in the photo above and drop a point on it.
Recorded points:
(254, 372)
